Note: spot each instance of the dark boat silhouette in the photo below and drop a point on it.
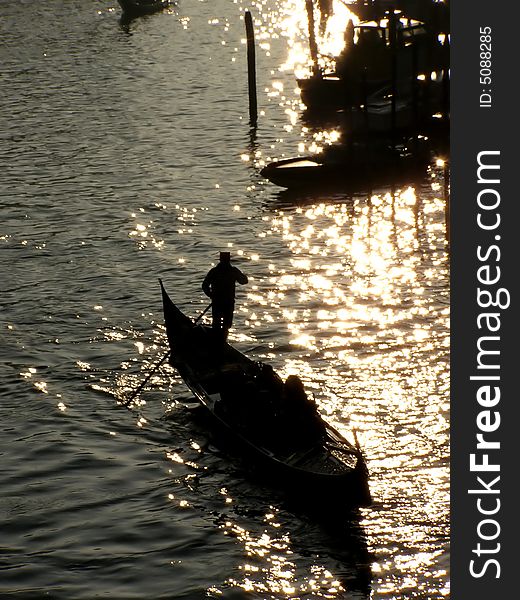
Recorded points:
(435, 13)
(137, 8)
(295, 449)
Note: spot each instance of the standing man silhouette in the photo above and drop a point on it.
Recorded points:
(219, 285)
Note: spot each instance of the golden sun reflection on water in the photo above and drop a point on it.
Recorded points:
(363, 293)
(292, 23)
(351, 295)
(270, 568)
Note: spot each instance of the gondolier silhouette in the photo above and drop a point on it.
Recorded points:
(219, 285)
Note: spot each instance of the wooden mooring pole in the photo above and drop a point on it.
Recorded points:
(392, 31)
(251, 69)
(312, 37)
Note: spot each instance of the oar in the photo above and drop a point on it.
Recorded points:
(127, 402)
(203, 312)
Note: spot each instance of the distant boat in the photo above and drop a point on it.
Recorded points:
(136, 8)
(355, 168)
(248, 404)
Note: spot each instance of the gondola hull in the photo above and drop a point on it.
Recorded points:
(308, 458)
(358, 170)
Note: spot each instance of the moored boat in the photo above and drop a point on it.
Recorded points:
(358, 167)
(136, 8)
(276, 430)
(373, 61)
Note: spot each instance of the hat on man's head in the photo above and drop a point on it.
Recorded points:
(225, 256)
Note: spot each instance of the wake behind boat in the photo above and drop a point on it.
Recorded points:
(273, 425)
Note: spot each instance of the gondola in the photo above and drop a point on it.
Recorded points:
(137, 8)
(276, 432)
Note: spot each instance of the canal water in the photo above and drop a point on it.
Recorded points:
(127, 156)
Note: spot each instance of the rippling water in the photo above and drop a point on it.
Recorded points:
(127, 155)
